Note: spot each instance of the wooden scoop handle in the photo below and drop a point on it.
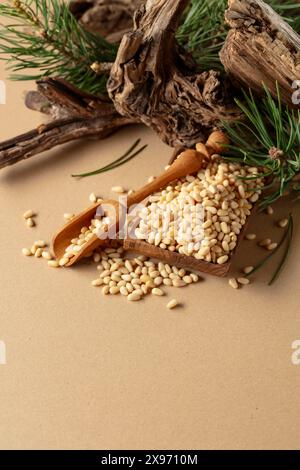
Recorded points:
(190, 161)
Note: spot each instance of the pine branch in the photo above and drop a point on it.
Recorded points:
(268, 138)
(203, 31)
(46, 38)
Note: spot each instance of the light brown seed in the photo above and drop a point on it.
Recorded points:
(26, 252)
(250, 236)
(157, 291)
(243, 280)
(29, 214)
(233, 283)
(134, 296)
(53, 264)
(97, 282)
(248, 269)
(283, 223)
(172, 304)
(272, 246)
(265, 242)
(30, 222)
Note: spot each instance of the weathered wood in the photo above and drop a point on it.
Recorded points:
(110, 19)
(261, 48)
(76, 115)
(155, 81)
(48, 136)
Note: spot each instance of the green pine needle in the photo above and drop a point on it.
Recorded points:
(268, 138)
(45, 39)
(116, 163)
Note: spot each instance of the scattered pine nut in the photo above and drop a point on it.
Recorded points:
(233, 283)
(172, 304)
(157, 291)
(250, 236)
(93, 197)
(29, 214)
(283, 223)
(69, 216)
(265, 242)
(105, 290)
(243, 280)
(248, 269)
(134, 296)
(40, 243)
(46, 255)
(30, 222)
(272, 246)
(118, 190)
(270, 210)
(53, 264)
(26, 252)
(38, 253)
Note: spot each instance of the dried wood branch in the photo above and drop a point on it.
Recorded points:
(261, 48)
(77, 115)
(157, 82)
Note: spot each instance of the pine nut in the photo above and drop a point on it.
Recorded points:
(172, 304)
(178, 283)
(233, 283)
(243, 280)
(250, 236)
(53, 264)
(270, 210)
(29, 214)
(222, 259)
(123, 291)
(114, 290)
(133, 297)
(118, 189)
(157, 291)
(248, 269)
(272, 246)
(69, 216)
(40, 243)
(105, 290)
(92, 197)
(30, 222)
(265, 242)
(38, 253)
(283, 223)
(97, 282)
(26, 252)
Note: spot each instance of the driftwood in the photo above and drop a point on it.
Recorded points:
(261, 48)
(153, 80)
(110, 19)
(77, 115)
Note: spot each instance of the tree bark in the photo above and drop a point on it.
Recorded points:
(261, 48)
(76, 114)
(153, 80)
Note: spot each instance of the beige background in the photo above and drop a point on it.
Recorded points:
(84, 371)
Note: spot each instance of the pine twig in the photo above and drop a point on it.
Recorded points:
(45, 38)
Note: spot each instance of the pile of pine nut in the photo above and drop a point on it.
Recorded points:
(226, 198)
(134, 278)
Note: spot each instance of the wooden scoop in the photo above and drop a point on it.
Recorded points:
(190, 161)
